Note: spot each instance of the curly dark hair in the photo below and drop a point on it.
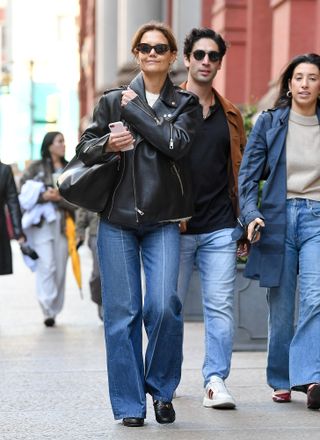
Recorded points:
(198, 33)
(282, 99)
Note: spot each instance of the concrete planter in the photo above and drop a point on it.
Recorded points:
(250, 308)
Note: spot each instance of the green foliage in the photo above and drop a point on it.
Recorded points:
(247, 114)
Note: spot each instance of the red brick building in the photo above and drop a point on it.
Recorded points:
(263, 35)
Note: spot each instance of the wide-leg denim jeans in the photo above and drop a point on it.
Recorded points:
(130, 376)
(214, 254)
(294, 354)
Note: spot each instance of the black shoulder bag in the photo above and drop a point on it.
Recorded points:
(89, 186)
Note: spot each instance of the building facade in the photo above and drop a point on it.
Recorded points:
(39, 75)
(262, 35)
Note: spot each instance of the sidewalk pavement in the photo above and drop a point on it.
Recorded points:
(53, 382)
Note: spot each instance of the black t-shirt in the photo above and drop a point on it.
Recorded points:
(209, 158)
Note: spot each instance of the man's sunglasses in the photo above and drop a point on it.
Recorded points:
(160, 49)
(200, 54)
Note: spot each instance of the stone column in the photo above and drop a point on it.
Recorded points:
(131, 15)
(317, 39)
(229, 19)
(258, 49)
(106, 59)
(186, 15)
(294, 31)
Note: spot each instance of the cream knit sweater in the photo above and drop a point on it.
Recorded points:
(303, 157)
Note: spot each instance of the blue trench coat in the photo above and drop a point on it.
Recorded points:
(266, 148)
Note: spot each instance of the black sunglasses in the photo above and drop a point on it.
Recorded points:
(200, 54)
(160, 49)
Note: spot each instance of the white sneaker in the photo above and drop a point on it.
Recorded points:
(217, 395)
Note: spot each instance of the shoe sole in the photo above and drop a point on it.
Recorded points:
(279, 399)
(222, 404)
(132, 425)
(165, 422)
(284, 397)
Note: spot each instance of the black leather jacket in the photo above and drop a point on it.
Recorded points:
(154, 183)
(9, 197)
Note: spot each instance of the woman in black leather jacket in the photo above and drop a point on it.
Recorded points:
(141, 220)
(9, 197)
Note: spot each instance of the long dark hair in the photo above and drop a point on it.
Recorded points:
(47, 141)
(282, 99)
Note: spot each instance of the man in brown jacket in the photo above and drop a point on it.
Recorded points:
(206, 239)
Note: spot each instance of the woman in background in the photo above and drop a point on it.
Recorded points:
(44, 224)
(286, 140)
(88, 221)
(9, 198)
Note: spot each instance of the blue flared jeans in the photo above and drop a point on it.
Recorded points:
(131, 374)
(214, 255)
(294, 353)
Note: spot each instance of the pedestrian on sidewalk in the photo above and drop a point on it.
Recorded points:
(141, 224)
(206, 240)
(286, 140)
(44, 224)
(87, 220)
(9, 198)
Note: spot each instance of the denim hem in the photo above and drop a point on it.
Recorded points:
(303, 387)
(280, 387)
(162, 399)
(213, 375)
(124, 415)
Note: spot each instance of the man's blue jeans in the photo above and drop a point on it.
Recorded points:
(294, 354)
(214, 254)
(130, 376)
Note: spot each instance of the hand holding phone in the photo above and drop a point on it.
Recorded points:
(118, 127)
(256, 229)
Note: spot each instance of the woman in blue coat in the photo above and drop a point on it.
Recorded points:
(286, 142)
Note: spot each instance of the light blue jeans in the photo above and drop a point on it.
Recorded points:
(294, 354)
(214, 254)
(130, 374)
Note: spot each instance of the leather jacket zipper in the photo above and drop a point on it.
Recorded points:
(137, 210)
(179, 178)
(171, 137)
(115, 190)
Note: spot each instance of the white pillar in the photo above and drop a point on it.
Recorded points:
(106, 58)
(131, 15)
(186, 15)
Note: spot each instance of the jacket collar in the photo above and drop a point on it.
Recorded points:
(283, 114)
(167, 94)
(227, 106)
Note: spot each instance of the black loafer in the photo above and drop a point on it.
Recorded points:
(164, 411)
(49, 322)
(132, 422)
(313, 396)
